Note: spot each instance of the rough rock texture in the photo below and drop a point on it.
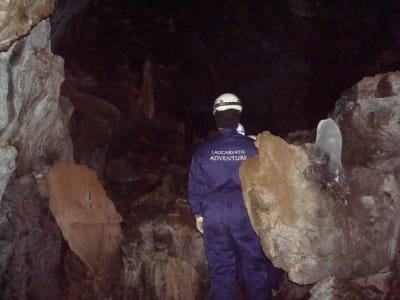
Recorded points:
(334, 289)
(33, 127)
(314, 228)
(31, 245)
(8, 155)
(164, 258)
(87, 219)
(62, 16)
(19, 16)
(163, 253)
(93, 121)
(31, 117)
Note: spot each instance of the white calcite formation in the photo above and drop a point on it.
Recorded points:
(313, 226)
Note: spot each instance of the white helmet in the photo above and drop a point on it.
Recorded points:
(227, 101)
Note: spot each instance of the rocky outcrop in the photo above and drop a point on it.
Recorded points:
(87, 219)
(336, 289)
(315, 226)
(32, 120)
(33, 127)
(18, 17)
(31, 245)
(164, 256)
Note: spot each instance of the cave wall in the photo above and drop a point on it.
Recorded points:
(33, 130)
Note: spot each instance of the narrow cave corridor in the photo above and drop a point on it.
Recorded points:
(134, 94)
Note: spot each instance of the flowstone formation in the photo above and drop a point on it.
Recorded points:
(88, 220)
(323, 212)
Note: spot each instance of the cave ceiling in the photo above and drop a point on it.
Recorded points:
(289, 61)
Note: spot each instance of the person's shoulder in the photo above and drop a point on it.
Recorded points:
(203, 147)
(249, 144)
(247, 139)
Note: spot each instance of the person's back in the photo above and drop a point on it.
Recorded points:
(220, 158)
(232, 248)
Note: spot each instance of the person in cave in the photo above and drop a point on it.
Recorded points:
(232, 247)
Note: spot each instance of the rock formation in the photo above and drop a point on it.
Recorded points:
(31, 77)
(33, 127)
(165, 258)
(93, 121)
(87, 219)
(327, 212)
(18, 17)
(313, 228)
(147, 93)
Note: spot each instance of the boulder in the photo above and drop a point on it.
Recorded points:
(314, 225)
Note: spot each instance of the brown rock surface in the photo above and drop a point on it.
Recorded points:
(164, 255)
(312, 228)
(18, 17)
(87, 218)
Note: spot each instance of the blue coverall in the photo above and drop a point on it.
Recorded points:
(232, 247)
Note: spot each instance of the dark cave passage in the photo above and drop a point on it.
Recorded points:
(288, 62)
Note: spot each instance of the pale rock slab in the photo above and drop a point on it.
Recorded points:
(87, 218)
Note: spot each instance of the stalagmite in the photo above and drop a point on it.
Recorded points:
(329, 142)
(147, 93)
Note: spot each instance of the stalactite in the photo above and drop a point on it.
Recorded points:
(147, 94)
